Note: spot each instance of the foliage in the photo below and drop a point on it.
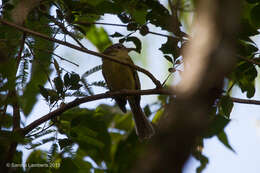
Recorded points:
(103, 135)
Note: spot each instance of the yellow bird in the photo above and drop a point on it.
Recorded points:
(118, 77)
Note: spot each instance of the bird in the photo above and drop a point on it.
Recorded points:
(118, 77)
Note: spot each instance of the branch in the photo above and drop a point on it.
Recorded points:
(120, 25)
(249, 60)
(79, 101)
(51, 52)
(63, 28)
(245, 101)
(21, 50)
(155, 81)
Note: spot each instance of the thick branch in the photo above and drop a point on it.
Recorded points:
(79, 101)
(156, 82)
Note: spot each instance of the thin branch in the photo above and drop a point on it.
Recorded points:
(101, 23)
(61, 25)
(21, 50)
(245, 101)
(249, 60)
(79, 101)
(156, 82)
(63, 59)
(120, 25)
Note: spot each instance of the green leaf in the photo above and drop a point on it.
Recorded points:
(123, 162)
(89, 131)
(252, 1)
(147, 110)
(217, 126)
(37, 157)
(64, 143)
(158, 115)
(98, 37)
(255, 16)
(116, 34)
(244, 74)
(6, 120)
(92, 70)
(224, 140)
(124, 122)
(67, 165)
(58, 84)
(137, 42)
(226, 105)
(40, 68)
(66, 79)
(168, 58)
(171, 47)
(202, 159)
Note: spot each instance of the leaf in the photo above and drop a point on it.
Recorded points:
(123, 162)
(64, 143)
(92, 70)
(147, 110)
(224, 140)
(116, 34)
(159, 15)
(74, 81)
(202, 159)
(171, 47)
(226, 105)
(252, 1)
(98, 37)
(137, 42)
(124, 122)
(58, 84)
(89, 131)
(125, 18)
(44, 92)
(67, 165)
(217, 126)
(255, 16)
(168, 58)
(40, 67)
(158, 115)
(66, 79)
(244, 74)
(6, 120)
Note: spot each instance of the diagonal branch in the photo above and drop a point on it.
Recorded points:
(79, 101)
(155, 81)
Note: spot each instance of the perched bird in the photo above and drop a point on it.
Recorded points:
(118, 77)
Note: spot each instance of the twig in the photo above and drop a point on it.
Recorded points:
(249, 60)
(156, 82)
(101, 23)
(21, 50)
(245, 101)
(61, 25)
(120, 25)
(63, 59)
(79, 101)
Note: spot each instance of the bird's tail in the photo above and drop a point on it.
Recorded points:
(143, 127)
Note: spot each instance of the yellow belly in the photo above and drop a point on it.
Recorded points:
(118, 76)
